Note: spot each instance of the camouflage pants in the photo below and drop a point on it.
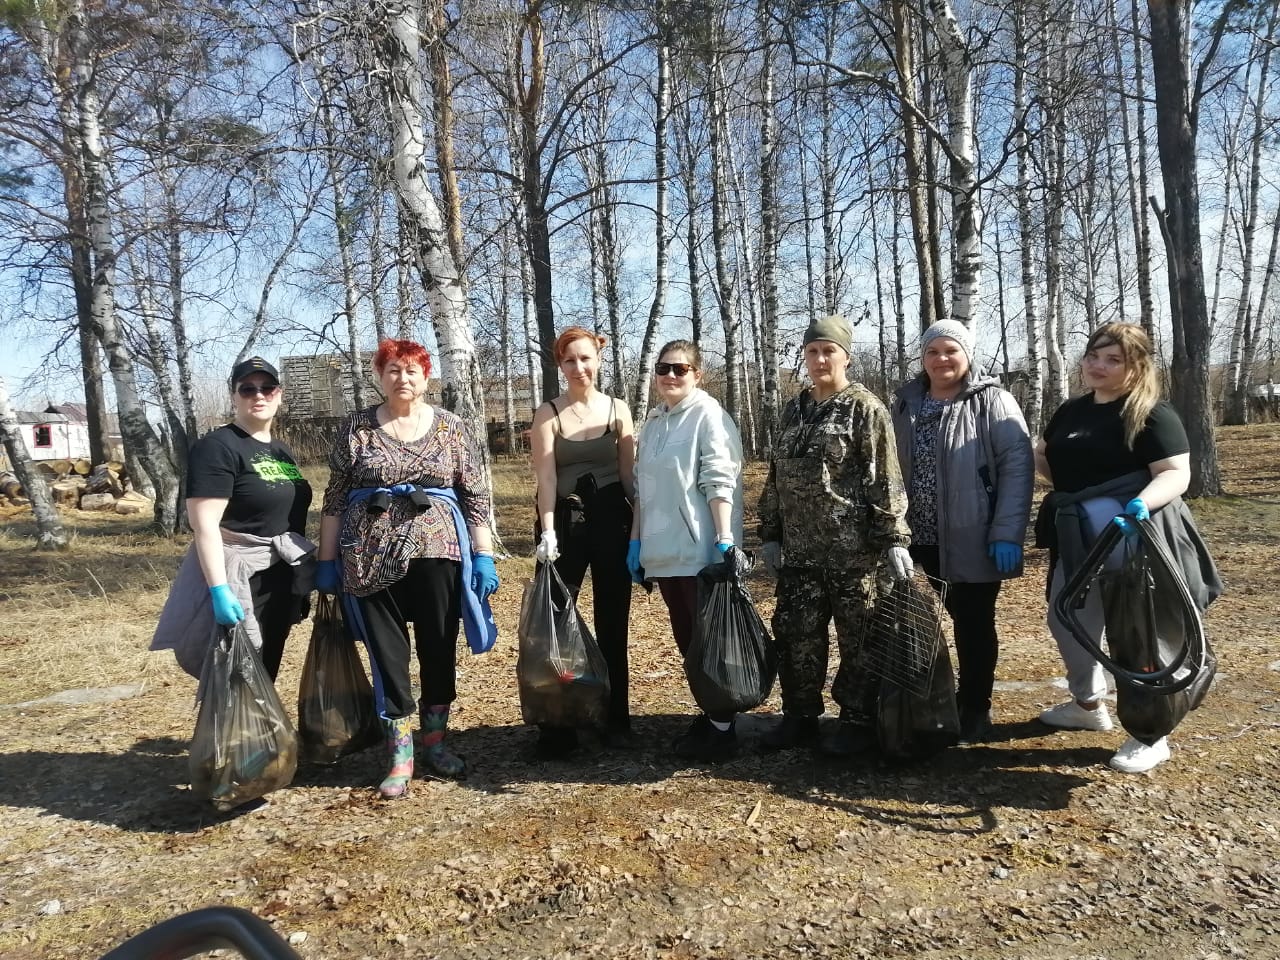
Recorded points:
(808, 600)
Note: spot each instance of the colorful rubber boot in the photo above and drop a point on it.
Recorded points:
(442, 761)
(399, 735)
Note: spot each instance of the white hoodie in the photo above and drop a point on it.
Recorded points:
(687, 456)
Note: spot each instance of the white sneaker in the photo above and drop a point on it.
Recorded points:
(1136, 757)
(1072, 716)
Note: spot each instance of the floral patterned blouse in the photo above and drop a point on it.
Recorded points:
(376, 547)
(922, 498)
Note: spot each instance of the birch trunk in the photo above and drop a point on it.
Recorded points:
(918, 190)
(343, 240)
(768, 339)
(966, 211)
(725, 295)
(141, 443)
(49, 532)
(662, 109)
(442, 126)
(1026, 229)
(406, 315)
(1142, 224)
(899, 295)
(396, 25)
(1236, 409)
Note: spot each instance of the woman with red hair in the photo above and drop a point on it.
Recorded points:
(584, 450)
(404, 536)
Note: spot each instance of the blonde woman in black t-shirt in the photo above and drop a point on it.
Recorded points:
(1123, 440)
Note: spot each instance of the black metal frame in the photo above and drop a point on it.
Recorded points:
(212, 928)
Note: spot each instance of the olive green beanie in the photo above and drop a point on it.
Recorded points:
(833, 328)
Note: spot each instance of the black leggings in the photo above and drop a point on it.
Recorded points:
(601, 544)
(276, 608)
(429, 596)
(972, 607)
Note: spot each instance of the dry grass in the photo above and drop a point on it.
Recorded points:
(1025, 847)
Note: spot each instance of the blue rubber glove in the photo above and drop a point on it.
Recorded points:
(1006, 554)
(226, 608)
(723, 546)
(328, 576)
(484, 576)
(633, 560)
(1135, 508)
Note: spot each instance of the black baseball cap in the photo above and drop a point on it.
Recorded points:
(253, 365)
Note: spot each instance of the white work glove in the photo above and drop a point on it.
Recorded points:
(899, 563)
(771, 556)
(548, 549)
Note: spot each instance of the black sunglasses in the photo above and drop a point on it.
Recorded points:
(679, 369)
(268, 390)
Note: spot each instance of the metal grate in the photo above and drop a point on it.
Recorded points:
(900, 637)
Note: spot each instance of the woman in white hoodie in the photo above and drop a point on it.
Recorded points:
(688, 510)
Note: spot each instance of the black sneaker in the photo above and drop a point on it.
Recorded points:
(849, 739)
(792, 732)
(703, 743)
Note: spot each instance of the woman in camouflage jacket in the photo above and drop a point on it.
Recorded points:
(832, 513)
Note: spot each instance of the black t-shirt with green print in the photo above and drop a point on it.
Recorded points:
(266, 493)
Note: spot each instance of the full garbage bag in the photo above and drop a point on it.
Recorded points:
(244, 745)
(731, 662)
(561, 673)
(1157, 649)
(916, 713)
(336, 713)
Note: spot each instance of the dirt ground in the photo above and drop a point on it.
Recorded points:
(1028, 846)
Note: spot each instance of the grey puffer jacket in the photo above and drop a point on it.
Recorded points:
(986, 471)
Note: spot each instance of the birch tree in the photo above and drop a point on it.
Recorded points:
(395, 26)
(49, 532)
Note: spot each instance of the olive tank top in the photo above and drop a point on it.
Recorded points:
(576, 458)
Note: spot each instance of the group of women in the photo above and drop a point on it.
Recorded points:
(941, 478)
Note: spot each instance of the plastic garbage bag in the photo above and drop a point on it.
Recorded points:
(336, 713)
(911, 725)
(1158, 652)
(916, 715)
(561, 673)
(731, 663)
(244, 745)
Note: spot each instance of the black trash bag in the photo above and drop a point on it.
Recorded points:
(562, 675)
(732, 662)
(911, 723)
(1159, 654)
(336, 712)
(244, 745)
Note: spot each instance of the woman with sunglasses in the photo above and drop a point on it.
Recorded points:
(583, 459)
(688, 511)
(247, 503)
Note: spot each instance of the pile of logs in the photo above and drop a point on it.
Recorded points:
(80, 484)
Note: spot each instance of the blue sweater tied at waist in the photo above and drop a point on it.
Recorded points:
(477, 616)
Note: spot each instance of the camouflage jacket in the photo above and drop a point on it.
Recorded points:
(834, 497)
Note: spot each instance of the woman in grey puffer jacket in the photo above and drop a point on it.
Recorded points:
(968, 467)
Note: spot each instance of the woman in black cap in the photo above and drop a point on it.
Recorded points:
(247, 502)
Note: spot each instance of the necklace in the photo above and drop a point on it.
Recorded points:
(395, 432)
(573, 408)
